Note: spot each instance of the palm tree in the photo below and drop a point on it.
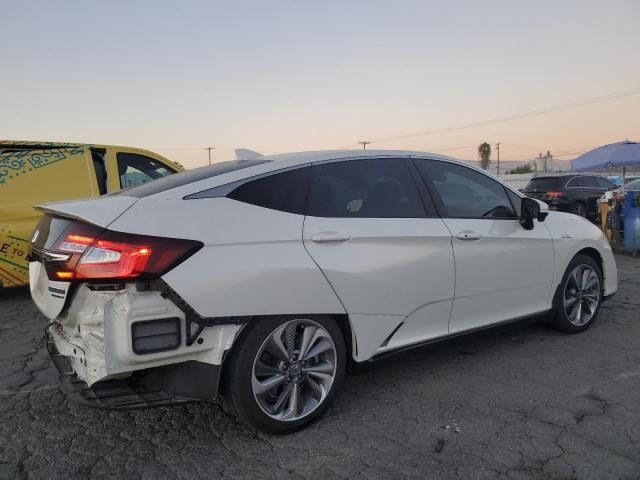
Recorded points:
(484, 152)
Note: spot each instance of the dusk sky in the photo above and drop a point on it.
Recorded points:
(278, 76)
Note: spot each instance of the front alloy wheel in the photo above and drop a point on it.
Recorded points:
(579, 295)
(283, 373)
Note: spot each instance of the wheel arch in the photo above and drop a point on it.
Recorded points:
(342, 319)
(593, 253)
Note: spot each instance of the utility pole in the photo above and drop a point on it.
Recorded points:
(498, 153)
(364, 144)
(210, 148)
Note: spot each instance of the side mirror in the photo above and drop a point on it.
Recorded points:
(530, 210)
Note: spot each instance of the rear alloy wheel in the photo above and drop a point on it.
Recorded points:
(579, 296)
(578, 208)
(285, 372)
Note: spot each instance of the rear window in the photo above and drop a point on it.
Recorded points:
(542, 184)
(286, 191)
(184, 178)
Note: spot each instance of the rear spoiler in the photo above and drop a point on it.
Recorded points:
(246, 154)
(100, 211)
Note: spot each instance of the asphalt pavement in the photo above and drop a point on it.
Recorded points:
(522, 402)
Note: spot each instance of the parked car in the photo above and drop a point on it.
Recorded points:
(277, 273)
(632, 186)
(36, 172)
(573, 193)
(617, 179)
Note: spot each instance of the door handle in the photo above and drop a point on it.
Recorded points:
(469, 235)
(329, 236)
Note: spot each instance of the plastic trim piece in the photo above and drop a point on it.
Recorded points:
(143, 351)
(162, 386)
(194, 322)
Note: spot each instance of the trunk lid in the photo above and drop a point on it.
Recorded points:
(99, 211)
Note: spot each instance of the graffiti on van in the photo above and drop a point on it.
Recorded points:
(16, 163)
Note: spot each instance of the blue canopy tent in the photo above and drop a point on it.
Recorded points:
(621, 154)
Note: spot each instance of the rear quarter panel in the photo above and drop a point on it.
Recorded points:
(253, 261)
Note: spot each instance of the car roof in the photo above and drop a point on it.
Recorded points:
(266, 164)
(568, 174)
(322, 155)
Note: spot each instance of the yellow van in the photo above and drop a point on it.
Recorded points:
(36, 172)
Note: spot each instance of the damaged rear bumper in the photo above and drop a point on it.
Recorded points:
(161, 386)
(126, 348)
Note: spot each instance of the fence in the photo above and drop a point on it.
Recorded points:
(517, 180)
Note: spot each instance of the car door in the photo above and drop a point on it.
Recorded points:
(502, 270)
(380, 244)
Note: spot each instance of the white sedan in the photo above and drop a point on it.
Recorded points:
(265, 279)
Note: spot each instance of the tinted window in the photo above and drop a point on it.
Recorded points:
(190, 176)
(135, 169)
(543, 184)
(604, 183)
(582, 182)
(466, 193)
(374, 188)
(286, 191)
(516, 201)
(101, 172)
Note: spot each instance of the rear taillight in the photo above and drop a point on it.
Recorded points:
(97, 254)
(554, 195)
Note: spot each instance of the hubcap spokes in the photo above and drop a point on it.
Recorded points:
(294, 370)
(581, 295)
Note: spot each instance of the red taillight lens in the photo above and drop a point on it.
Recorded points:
(97, 254)
(106, 259)
(552, 195)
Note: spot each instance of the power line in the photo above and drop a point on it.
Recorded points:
(516, 116)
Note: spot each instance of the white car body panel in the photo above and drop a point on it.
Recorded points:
(253, 266)
(100, 211)
(507, 266)
(48, 295)
(571, 234)
(388, 266)
(398, 281)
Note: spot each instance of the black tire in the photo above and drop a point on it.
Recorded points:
(578, 208)
(561, 320)
(239, 372)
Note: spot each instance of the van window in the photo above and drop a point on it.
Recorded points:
(99, 166)
(190, 176)
(135, 169)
